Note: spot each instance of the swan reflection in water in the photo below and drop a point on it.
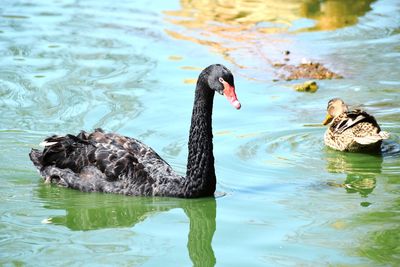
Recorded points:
(361, 170)
(85, 212)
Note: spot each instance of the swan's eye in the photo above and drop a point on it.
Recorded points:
(221, 80)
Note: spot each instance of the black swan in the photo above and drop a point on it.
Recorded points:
(112, 163)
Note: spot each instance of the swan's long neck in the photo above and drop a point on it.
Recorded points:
(200, 175)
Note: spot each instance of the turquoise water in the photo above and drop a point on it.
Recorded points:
(283, 198)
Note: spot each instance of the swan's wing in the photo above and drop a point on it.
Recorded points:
(104, 162)
(108, 155)
(153, 164)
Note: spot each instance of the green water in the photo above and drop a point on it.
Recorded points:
(283, 198)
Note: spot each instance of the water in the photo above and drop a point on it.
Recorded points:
(283, 198)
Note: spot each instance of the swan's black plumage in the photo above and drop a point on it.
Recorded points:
(111, 163)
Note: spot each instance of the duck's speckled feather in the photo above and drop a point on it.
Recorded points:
(354, 131)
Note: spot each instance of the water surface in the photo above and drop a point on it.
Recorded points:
(284, 199)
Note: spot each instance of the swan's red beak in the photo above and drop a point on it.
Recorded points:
(230, 94)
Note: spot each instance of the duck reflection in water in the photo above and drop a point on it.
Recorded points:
(86, 212)
(361, 170)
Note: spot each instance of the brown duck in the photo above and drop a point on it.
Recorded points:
(354, 131)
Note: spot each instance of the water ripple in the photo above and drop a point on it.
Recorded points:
(294, 147)
(69, 77)
(70, 65)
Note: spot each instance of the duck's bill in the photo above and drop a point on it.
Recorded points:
(230, 94)
(327, 120)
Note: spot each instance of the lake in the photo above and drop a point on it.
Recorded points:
(283, 198)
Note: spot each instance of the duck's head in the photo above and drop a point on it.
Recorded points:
(336, 106)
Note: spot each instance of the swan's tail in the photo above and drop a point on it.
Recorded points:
(36, 157)
(68, 151)
(62, 161)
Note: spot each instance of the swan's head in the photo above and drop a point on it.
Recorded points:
(220, 79)
(336, 106)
